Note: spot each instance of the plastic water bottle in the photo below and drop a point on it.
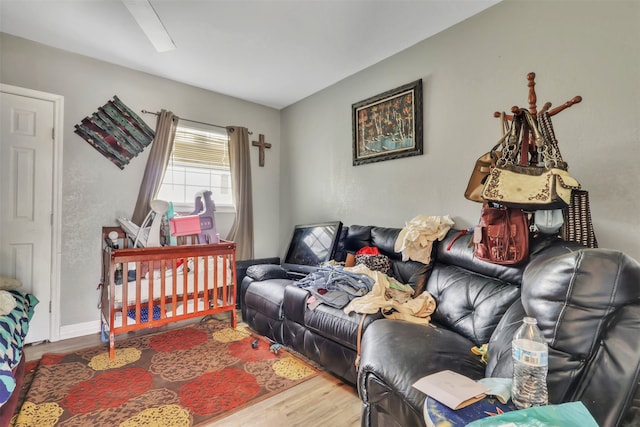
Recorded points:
(530, 365)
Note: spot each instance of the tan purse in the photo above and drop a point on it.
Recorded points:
(529, 187)
(482, 168)
(524, 186)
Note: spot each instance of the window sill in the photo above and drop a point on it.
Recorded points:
(186, 208)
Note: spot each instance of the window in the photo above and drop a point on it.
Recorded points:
(200, 161)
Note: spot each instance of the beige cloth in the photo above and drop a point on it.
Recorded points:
(7, 302)
(387, 294)
(415, 240)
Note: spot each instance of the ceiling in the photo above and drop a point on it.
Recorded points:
(270, 52)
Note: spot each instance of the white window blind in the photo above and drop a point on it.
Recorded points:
(199, 161)
(198, 147)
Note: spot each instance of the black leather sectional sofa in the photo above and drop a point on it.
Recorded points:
(586, 301)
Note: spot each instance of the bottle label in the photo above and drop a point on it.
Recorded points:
(530, 357)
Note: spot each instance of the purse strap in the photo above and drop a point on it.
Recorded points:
(538, 138)
(517, 145)
(511, 141)
(504, 124)
(504, 130)
(552, 156)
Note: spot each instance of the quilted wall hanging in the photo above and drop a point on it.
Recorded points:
(116, 132)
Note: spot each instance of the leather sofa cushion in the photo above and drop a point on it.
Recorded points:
(469, 303)
(461, 254)
(336, 325)
(332, 323)
(267, 297)
(585, 290)
(383, 238)
(587, 304)
(472, 295)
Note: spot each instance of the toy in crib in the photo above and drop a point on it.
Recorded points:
(202, 221)
(145, 235)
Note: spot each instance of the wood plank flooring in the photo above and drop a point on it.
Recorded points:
(321, 401)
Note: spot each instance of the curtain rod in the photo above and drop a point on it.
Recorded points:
(192, 121)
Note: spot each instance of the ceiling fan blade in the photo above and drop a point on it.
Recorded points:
(150, 23)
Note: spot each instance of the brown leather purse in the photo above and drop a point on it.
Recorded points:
(482, 168)
(502, 237)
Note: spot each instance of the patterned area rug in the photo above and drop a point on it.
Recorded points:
(179, 377)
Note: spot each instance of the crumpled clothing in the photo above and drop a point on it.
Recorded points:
(368, 250)
(498, 387)
(392, 298)
(415, 240)
(335, 286)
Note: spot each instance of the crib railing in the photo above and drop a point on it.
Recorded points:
(151, 287)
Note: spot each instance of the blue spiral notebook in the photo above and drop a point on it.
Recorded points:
(437, 414)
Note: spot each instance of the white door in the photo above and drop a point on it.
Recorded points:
(26, 200)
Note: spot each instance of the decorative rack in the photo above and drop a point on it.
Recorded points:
(533, 99)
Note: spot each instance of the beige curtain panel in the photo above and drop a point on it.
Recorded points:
(159, 155)
(242, 229)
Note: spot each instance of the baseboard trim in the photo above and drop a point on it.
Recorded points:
(79, 330)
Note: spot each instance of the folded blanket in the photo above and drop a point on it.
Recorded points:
(13, 329)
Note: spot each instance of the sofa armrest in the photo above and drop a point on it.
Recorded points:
(266, 271)
(295, 303)
(241, 273)
(242, 266)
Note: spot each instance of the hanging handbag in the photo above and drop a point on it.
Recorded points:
(526, 186)
(483, 167)
(502, 237)
(578, 226)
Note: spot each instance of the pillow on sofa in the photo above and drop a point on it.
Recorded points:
(266, 271)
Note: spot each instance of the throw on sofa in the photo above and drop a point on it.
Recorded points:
(586, 301)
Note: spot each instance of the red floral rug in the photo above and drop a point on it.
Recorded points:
(180, 377)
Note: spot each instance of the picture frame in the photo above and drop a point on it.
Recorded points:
(389, 125)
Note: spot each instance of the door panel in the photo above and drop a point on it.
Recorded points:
(26, 170)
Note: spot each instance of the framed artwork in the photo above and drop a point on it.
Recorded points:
(389, 125)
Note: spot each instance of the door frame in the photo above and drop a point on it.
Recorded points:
(56, 220)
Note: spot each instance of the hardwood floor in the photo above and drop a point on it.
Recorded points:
(321, 401)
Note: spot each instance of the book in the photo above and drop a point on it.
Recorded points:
(437, 414)
(452, 389)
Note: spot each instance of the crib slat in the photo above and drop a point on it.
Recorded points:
(163, 282)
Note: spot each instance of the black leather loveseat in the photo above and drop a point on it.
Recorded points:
(586, 301)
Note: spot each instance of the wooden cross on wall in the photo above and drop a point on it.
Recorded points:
(261, 145)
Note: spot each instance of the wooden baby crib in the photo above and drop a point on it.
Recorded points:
(150, 287)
